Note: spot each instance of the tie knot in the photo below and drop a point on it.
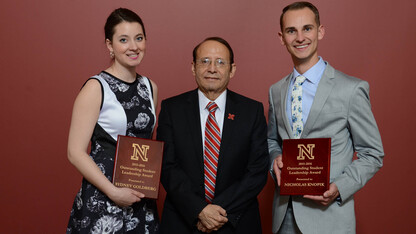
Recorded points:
(212, 106)
(299, 80)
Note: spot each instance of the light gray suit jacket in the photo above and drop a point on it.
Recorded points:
(341, 110)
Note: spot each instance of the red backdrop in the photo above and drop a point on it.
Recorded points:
(49, 48)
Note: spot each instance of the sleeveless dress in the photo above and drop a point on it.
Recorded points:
(126, 109)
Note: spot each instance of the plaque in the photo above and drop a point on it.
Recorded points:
(137, 165)
(306, 164)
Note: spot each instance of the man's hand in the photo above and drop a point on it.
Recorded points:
(328, 197)
(277, 167)
(201, 227)
(211, 218)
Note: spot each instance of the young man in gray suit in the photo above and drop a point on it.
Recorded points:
(333, 105)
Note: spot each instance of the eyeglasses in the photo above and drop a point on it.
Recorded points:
(205, 62)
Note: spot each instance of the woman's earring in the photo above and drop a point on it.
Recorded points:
(111, 54)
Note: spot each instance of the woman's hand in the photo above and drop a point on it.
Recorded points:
(124, 196)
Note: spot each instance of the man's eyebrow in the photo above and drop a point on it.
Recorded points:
(290, 28)
(308, 25)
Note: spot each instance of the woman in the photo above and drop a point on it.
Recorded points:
(116, 101)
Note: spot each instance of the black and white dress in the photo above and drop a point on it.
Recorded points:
(126, 109)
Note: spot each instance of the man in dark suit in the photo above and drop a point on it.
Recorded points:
(215, 158)
(326, 103)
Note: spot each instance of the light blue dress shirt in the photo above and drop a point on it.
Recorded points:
(309, 87)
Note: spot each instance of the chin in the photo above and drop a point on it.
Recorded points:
(135, 64)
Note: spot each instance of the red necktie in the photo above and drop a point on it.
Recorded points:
(211, 152)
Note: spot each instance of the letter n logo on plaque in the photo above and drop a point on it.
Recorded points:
(140, 151)
(306, 151)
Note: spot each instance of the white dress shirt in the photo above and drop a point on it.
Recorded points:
(219, 113)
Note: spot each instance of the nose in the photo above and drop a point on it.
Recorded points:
(212, 68)
(300, 37)
(133, 45)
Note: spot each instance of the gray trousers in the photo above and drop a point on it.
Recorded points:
(289, 225)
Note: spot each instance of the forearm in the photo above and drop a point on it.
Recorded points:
(90, 171)
(239, 195)
(181, 191)
(251, 176)
(274, 144)
(356, 175)
(84, 119)
(365, 140)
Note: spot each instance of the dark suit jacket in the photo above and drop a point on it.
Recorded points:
(242, 167)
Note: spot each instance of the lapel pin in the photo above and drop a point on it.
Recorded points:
(231, 116)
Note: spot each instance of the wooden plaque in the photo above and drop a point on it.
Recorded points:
(137, 165)
(306, 166)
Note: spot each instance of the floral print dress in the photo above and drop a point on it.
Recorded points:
(126, 109)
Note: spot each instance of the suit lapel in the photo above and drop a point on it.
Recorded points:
(193, 116)
(229, 128)
(324, 89)
(283, 100)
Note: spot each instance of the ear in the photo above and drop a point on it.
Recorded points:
(193, 69)
(109, 45)
(321, 32)
(281, 38)
(233, 69)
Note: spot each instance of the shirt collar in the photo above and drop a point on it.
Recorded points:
(314, 73)
(220, 101)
